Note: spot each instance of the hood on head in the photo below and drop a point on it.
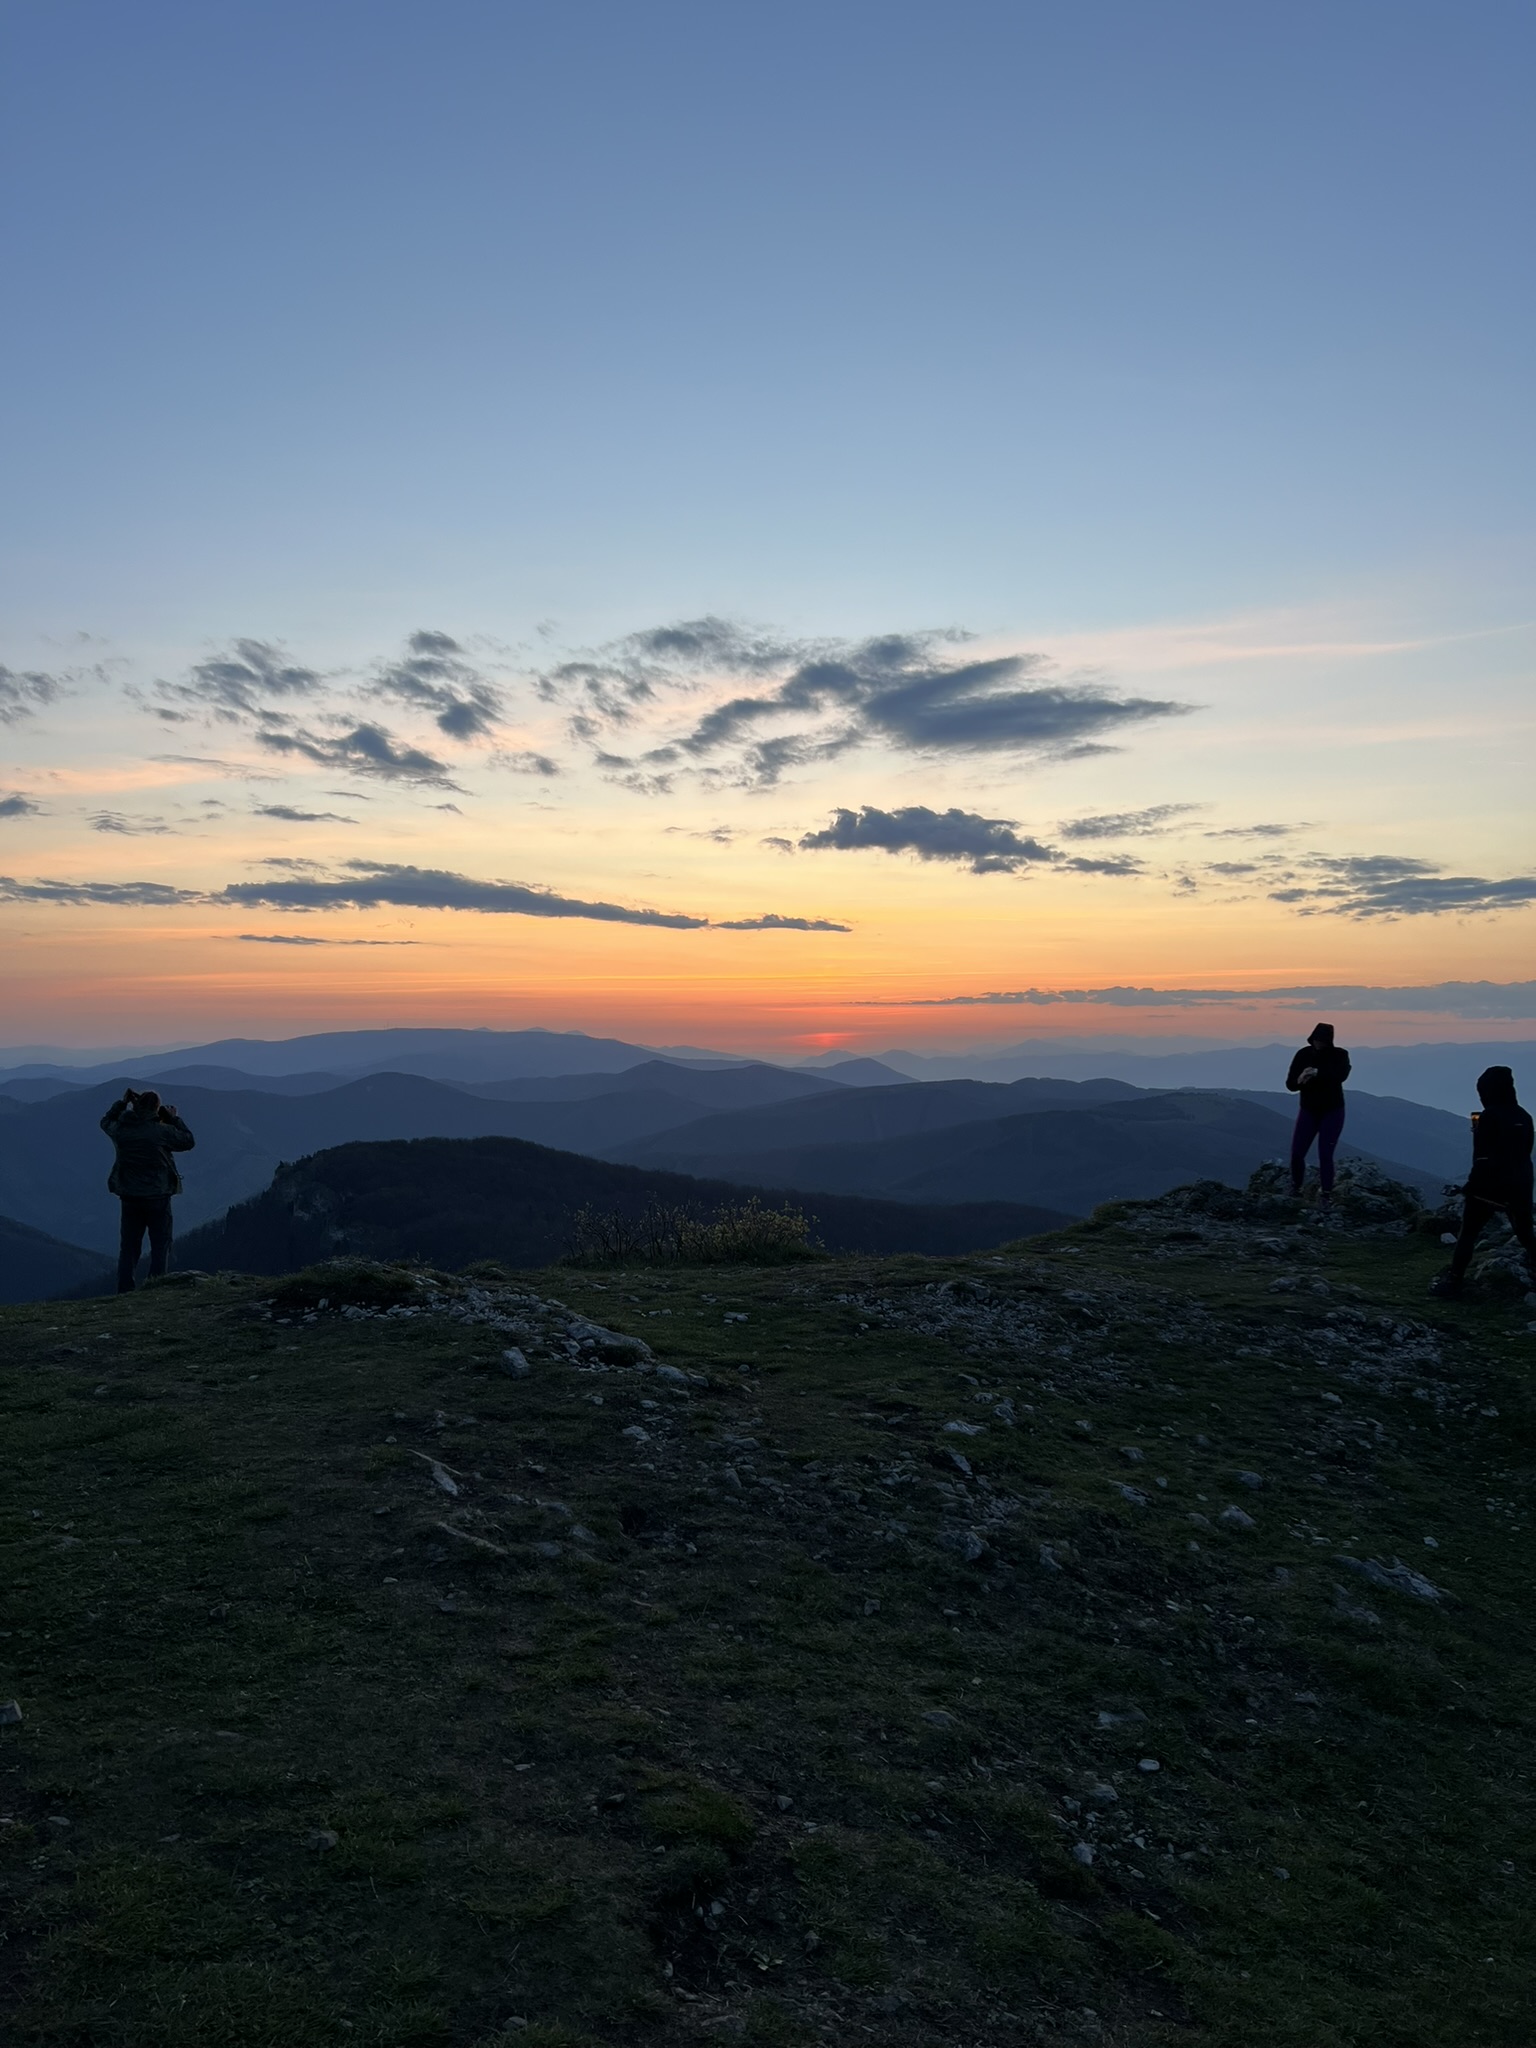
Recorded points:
(1496, 1087)
(1320, 1034)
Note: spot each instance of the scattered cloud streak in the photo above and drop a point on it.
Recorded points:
(1473, 1000)
(435, 675)
(129, 828)
(291, 816)
(905, 691)
(19, 805)
(238, 685)
(1145, 824)
(302, 886)
(1387, 886)
(987, 846)
(770, 921)
(23, 691)
(365, 750)
(303, 939)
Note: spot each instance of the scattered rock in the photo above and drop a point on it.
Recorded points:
(1253, 1479)
(1133, 1494)
(1148, 1764)
(637, 1435)
(1132, 1455)
(964, 1428)
(1396, 1577)
(1234, 1518)
(321, 1840)
(514, 1362)
(10, 1714)
(1082, 1852)
(937, 1718)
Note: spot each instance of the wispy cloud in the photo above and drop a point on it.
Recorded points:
(365, 750)
(987, 846)
(22, 691)
(522, 761)
(1473, 1000)
(436, 675)
(291, 816)
(303, 885)
(1145, 824)
(1387, 886)
(770, 921)
(905, 691)
(115, 821)
(1254, 831)
(19, 805)
(302, 939)
(238, 685)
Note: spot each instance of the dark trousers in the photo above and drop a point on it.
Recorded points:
(1477, 1211)
(141, 1213)
(1327, 1129)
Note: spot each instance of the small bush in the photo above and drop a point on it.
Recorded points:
(741, 1233)
(340, 1283)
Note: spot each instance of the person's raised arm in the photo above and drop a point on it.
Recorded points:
(177, 1137)
(1299, 1067)
(114, 1112)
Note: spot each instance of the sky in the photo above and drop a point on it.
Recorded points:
(779, 528)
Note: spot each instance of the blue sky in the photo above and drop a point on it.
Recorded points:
(1187, 346)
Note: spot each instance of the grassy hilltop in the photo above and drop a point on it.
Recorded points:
(881, 1660)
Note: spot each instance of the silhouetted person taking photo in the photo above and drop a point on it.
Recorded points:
(1502, 1136)
(145, 1132)
(1317, 1075)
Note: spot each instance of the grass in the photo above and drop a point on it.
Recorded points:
(808, 1735)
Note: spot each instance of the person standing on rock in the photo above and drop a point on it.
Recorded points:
(1317, 1075)
(1502, 1140)
(145, 1132)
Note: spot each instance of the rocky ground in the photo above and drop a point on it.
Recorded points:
(1123, 1637)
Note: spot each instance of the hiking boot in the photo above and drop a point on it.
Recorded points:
(1447, 1286)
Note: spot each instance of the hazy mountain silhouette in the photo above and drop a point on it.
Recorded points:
(1097, 1151)
(35, 1266)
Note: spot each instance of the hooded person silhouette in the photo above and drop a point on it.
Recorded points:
(1502, 1140)
(1318, 1073)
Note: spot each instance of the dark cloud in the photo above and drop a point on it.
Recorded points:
(300, 939)
(18, 806)
(113, 895)
(1127, 824)
(772, 922)
(1485, 1000)
(903, 690)
(987, 846)
(364, 885)
(1254, 832)
(366, 750)
(241, 683)
(1388, 886)
(22, 691)
(115, 821)
(779, 845)
(294, 817)
(521, 762)
(435, 675)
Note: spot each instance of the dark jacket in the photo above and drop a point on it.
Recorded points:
(144, 1141)
(1327, 1091)
(1502, 1140)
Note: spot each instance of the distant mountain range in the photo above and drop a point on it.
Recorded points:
(1440, 1075)
(1109, 1143)
(450, 1202)
(1057, 1145)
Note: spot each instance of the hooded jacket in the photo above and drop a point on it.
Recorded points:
(1502, 1139)
(144, 1140)
(1326, 1092)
